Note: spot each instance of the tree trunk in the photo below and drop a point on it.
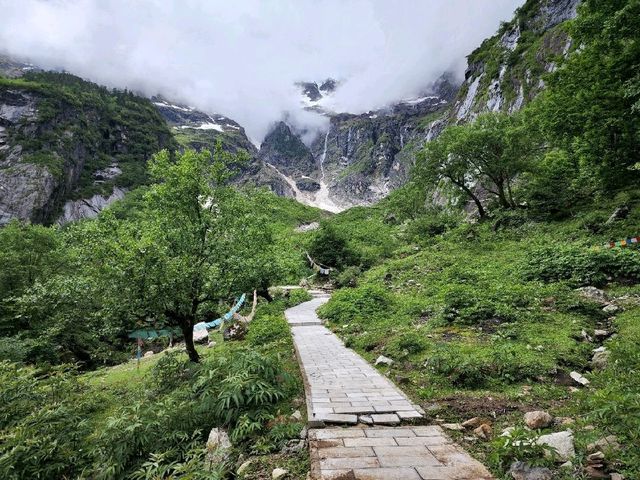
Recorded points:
(481, 211)
(264, 293)
(187, 331)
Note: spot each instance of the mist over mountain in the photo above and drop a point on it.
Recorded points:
(243, 59)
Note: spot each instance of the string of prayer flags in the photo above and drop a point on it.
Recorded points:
(627, 242)
(321, 269)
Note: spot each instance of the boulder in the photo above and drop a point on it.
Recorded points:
(562, 442)
(218, 446)
(243, 468)
(278, 473)
(474, 422)
(522, 471)
(484, 431)
(538, 419)
(600, 359)
(607, 443)
(382, 360)
(594, 294)
(611, 308)
(600, 334)
(579, 379)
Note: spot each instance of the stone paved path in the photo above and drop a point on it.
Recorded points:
(342, 388)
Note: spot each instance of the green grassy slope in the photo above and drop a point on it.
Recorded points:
(487, 322)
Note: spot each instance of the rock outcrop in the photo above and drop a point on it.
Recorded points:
(55, 148)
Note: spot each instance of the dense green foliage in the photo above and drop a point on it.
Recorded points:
(87, 127)
(59, 424)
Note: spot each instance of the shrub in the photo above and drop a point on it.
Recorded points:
(581, 265)
(363, 303)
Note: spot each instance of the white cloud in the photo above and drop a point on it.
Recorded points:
(241, 58)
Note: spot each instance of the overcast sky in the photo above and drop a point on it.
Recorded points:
(241, 57)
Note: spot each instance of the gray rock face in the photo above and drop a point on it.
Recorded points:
(285, 150)
(522, 471)
(89, 207)
(562, 442)
(554, 12)
(24, 189)
(538, 419)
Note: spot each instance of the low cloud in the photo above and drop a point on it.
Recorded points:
(242, 58)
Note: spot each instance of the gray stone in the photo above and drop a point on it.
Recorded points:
(297, 416)
(562, 442)
(611, 308)
(593, 293)
(278, 473)
(538, 419)
(218, 447)
(89, 207)
(600, 359)
(609, 442)
(522, 471)
(148, 354)
(600, 333)
(453, 426)
(382, 360)
(385, 419)
(579, 379)
(243, 468)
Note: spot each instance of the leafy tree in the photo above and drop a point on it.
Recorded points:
(331, 248)
(490, 152)
(198, 243)
(591, 105)
(27, 253)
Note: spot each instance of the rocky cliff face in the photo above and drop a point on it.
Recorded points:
(361, 158)
(56, 149)
(506, 71)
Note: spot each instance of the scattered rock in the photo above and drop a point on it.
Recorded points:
(243, 468)
(148, 354)
(600, 334)
(607, 443)
(456, 427)
(563, 421)
(522, 471)
(278, 473)
(562, 442)
(611, 308)
(597, 457)
(304, 433)
(484, 431)
(474, 422)
(507, 431)
(593, 293)
(537, 419)
(616, 476)
(586, 336)
(293, 446)
(382, 360)
(218, 446)
(296, 415)
(211, 344)
(402, 380)
(600, 359)
(567, 465)
(595, 472)
(579, 379)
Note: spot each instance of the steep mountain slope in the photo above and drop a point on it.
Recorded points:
(69, 147)
(361, 158)
(506, 71)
